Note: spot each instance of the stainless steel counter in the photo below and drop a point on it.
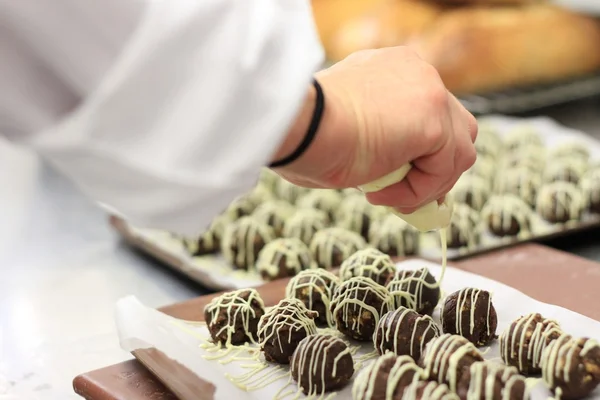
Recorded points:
(62, 270)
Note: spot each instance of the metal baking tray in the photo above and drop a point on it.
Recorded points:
(533, 98)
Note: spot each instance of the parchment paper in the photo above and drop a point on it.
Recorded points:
(142, 327)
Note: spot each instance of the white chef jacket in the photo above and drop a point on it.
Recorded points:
(163, 109)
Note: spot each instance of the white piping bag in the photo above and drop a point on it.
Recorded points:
(430, 217)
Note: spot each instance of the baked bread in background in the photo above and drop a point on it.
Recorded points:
(478, 49)
(387, 24)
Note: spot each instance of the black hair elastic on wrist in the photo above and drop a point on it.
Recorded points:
(310, 134)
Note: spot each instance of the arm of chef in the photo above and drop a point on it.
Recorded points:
(197, 100)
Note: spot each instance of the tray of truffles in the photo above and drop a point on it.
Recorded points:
(533, 180)
(423, 335)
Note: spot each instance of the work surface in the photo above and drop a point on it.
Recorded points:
(63, 269)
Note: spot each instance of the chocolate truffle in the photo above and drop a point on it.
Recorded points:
(404, 332)
(507, 215)
(321, 363)
(269, 179)
(571, 366)
(590, 185)
(560, 202)
(326, 200)
(274, 213)
(570, 150)
(431, 390)
(282, 258)
(247, 203)
(243, 240)
(386, 378)
(484, 167)
(492, 381)
(523, 136)
(415, 289)
(470, 313)
(357, 306)
(472, 190)
(289, 192)
(315, 288)
(394, 236)
(232, 318)
(304, 224)
(368, 262)
(465, 227)
(357, 214)
(523, 342)
(283, 327)
(447, 357)
(331, 246)
(488, 143)
(521, 182)
(565, 170)
(210, 241)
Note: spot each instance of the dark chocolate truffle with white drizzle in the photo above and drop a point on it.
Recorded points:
(304, 224)
(315, 288)
(232, 318)
(428, 390)
(321, 364)
(415, 289)
(274, 213)
(590, 185)
(394, 236)
(386, 378)
(243, 240)
(210, 240)
(357, 214)
(524, 341)
(447, 357)
(370, 263)
(571, 366)
(331, 246)
(326, 200)
(560, 202)
(283, 327)
(487, 380)
(472, 190)
(470, 313)
(508, 215)
(283, 258)
(357, 306)
(404, 332)
(465, 227)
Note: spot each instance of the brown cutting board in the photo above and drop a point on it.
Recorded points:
(543, 273)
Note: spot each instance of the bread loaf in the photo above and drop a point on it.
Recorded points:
(484, 49)
(330, 15)
(390, 23)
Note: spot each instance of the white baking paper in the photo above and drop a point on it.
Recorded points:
(143, 327)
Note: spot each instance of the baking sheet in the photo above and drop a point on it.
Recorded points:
(141, 327)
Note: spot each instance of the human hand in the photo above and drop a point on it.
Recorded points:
(383, 109)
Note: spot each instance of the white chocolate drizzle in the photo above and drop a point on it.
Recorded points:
(472, 190)
(312, 353)
(500, 211)
(519, 181)
(590, 185)
(238, 308)
(289, 192)
(304, 224)
(368, 262)
(561, 201)
(290, 314)
(327, 240)
(484, 167)
(560, 355)
(242, 235)
(286, 253)
(310, 283)
(366, 382)
(526, 338)
(570, 170)
(408, 288)
(269, 179)
(523, 136)
(392, 324)
(428, 391)
(465, 225)
(393, 233)
(571, 150)
(274, 213)
(469, 299)
(487, 376)
(350, 299)
(209, 240)
(326, 200)
(355, 212)
(443, 356)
